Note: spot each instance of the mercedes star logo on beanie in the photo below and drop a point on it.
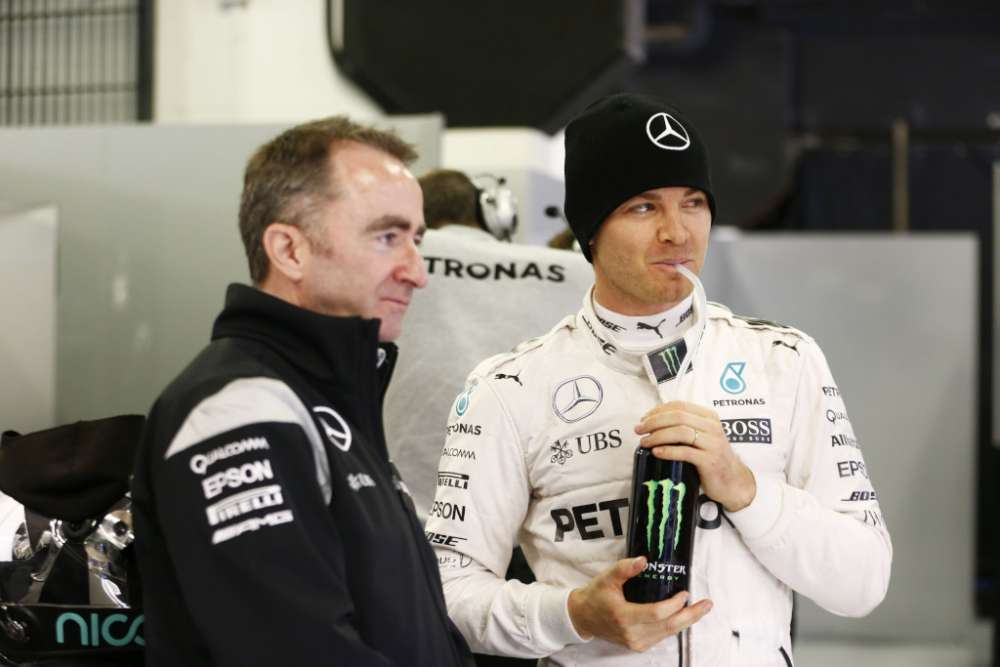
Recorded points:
(624, 145)
(666, 132)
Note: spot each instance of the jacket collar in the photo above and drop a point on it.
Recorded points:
(338, 350)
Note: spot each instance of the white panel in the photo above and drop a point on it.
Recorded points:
(840, 653)
(148, 224)
(28, 249)
(996, 305)
(265, 61)
(896, 317)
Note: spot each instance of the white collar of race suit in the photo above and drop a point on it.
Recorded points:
(647, 330)
(659, 360)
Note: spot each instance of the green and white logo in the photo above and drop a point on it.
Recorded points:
(666, 362)
(664, 488)
(671, 360)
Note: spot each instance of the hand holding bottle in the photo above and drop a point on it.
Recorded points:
(682, 431)
(599, 609)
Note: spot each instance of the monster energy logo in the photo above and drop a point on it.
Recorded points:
(671, 359)
(667, 486)
(666, 362)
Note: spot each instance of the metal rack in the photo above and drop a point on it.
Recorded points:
(75, 62)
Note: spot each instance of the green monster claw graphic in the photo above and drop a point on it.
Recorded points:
(671, 360)
(667, 485)
(651, 487)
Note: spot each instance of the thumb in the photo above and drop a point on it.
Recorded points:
(626, 568)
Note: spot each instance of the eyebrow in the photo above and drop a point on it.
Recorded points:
(394, 222)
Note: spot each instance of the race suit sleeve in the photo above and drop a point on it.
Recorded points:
(240, 500)
(821, 530)
(483, 472)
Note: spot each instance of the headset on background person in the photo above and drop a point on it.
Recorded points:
(496, 206)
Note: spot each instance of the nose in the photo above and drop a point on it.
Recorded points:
(412, 269)
(670, 227)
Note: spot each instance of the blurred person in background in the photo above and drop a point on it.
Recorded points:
(564, 240)
(455, 201)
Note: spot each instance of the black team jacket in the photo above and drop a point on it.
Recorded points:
(271, 527)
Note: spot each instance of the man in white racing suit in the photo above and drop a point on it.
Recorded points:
(786, 502)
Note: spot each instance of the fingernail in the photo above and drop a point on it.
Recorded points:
(709, 606)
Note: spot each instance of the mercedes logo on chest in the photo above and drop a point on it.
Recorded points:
(577, 398)
(336, 430)
(666, 132)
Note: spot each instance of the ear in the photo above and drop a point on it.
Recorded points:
(287, 250)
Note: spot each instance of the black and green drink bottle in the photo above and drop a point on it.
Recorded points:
(661, 526)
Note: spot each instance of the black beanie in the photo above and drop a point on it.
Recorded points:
(622, 146)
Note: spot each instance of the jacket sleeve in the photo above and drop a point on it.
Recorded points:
(481, 502)
(241, 495)
(821, 530)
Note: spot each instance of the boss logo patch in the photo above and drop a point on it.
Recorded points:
(748, 430)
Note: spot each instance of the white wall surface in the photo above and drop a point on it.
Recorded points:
(257, 61)
(268, 61)
(28, 250)
(499, 148)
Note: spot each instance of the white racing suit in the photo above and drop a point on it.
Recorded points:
(540, 452)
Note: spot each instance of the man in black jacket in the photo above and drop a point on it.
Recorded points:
(272, 528)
